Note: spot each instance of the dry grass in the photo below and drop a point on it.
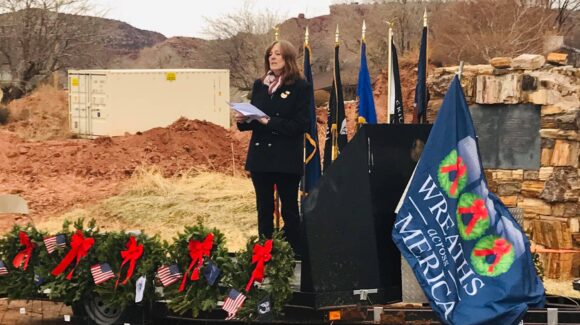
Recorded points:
(42, 115)
(164, 206)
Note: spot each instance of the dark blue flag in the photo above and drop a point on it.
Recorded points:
(38, 281)
(336, 135)
(364, 90)
(421, 96)
(264, 310)
(468, 253)
(312, 169)
(211, 272)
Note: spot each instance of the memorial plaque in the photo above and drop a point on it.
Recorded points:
(508, 135)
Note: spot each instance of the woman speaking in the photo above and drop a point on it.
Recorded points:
(275, 153)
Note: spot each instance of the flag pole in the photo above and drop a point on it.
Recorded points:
(460, 70)
(302, 183)
(426, 59)
(427, 47)
(334, 129)
(389, 71)
(277, 212)
(364, 30)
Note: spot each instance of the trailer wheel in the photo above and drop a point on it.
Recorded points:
(100, 312)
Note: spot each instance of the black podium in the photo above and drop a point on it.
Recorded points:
(348, 218)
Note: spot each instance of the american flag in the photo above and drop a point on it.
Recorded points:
(3, 269)
(53, 242)
(101, 272)
(168, 274)
(233, 302)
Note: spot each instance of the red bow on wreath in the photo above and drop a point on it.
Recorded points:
(197, 250)
(79, 247)
(261, 256)
(24, 255)
(131, 254)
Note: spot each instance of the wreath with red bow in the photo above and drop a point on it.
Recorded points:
(263, 269)
(66, 271)
(20, 251)
(193, 251)
(130, 256)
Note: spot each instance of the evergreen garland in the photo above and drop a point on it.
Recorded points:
(198, 295)
(276, 285)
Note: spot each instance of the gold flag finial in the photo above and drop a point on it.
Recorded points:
(276, 33)
(425, 18)
(306, 35)
(336, 35)
(364, 30)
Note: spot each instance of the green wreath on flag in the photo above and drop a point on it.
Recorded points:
(492, 256)
(473, 204)
(452, 163)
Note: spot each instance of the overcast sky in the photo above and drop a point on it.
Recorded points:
(185, 17)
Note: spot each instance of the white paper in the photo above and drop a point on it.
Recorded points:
(67, 318)
(248, 110)
(139, 289)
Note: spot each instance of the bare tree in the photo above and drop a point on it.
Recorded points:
(38, 36)
(564, 8)
(476, 31)
(241, 38)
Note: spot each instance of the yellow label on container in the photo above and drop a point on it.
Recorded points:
(75, 82)
(334, 315)
(170, 76)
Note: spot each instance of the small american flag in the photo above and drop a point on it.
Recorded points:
(101, 272)
(168, 274)
(3, 269)
(233, 302)
(53, 242)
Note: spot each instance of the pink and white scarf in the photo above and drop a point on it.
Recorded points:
(273, 82)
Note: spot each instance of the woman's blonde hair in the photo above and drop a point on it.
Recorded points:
(291, 72)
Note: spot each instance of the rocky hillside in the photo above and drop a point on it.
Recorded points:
(109, 38)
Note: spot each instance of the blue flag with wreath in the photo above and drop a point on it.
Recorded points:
(468, 253)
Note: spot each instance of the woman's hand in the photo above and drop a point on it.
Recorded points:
(240, 118)
(264, 120)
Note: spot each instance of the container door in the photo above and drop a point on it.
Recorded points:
(220, 108)
(78, 103)
(98, 109)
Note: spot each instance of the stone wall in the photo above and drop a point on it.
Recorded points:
(550, 195)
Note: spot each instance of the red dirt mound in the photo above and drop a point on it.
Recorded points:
(55, 175)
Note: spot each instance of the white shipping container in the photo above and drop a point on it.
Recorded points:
(113, 102)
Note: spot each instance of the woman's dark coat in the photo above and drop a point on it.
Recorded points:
(278, 146)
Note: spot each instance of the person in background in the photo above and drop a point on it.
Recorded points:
(275, 154)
